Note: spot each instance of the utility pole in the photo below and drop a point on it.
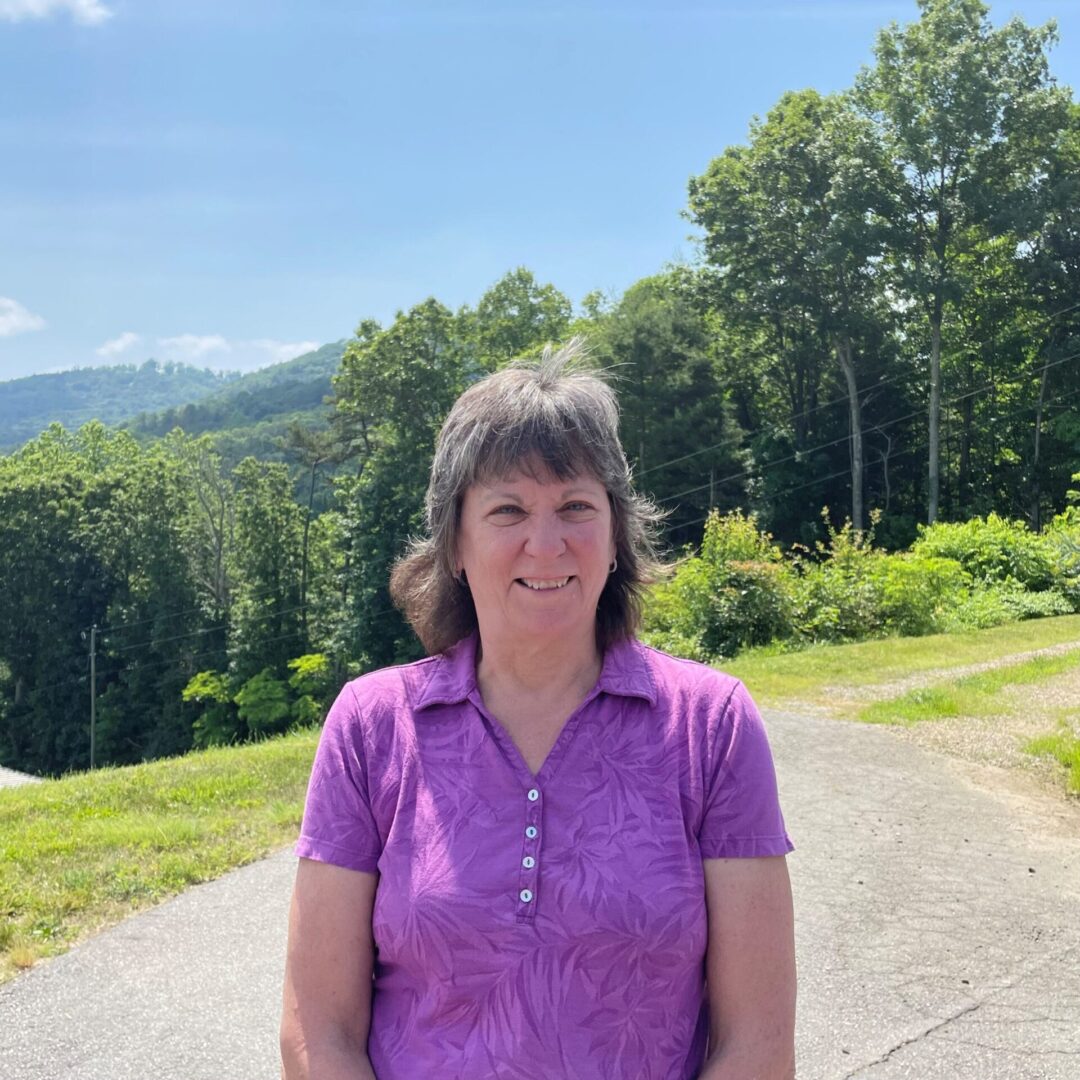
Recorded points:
(93, 690)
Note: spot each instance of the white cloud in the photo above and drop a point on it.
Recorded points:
(87, 12)
(115, 346)
(231, 354)
(284, 350)
(14, 318)
(193, 346)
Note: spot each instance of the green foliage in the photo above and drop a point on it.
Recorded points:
(915, 592)
(992, 549)
(737, 593)
(263, 703)
(838, 593)
(313, 681)
(219, 722)
(516, 316)
(656, 342)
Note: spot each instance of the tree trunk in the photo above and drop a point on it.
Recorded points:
(847, 364)
(935, 417)
(1035, 513)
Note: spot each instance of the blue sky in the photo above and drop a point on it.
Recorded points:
(227, 182)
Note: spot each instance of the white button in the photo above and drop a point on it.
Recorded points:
(528, 862)
(526, 895)
(533, 794)
(530, 832)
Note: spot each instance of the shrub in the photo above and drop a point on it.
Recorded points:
(677, 612)
(1063, 537)
(219, 722)
(992, 549)
(1001, 602)
(263, 703)
(312, 680)
(838, 597)
(914, 592)
(736, 593)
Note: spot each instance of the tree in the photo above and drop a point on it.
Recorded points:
(675, 424)
(793, 229)
(394, 388)
(517, 314)
(968, 115)
(265, 628)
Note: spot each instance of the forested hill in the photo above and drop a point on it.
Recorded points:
(109, 394)
(282, 390)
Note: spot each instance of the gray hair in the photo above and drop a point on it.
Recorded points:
(557, 414)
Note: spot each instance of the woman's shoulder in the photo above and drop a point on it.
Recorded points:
(405, 688)
(677, 676)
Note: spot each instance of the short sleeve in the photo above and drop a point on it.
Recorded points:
(338, 825)
(742, 817)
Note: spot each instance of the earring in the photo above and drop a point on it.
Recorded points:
(614, 566)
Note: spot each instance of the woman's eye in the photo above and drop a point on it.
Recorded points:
(506, 510)
(577, 507)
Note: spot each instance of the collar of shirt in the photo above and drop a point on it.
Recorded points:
(452, 678)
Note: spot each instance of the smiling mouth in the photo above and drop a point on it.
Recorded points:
(544, 584)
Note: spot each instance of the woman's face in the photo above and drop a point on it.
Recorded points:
(536, 554)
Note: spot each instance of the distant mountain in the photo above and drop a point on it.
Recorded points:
(110, 394)
(269, 397)
(153, 398)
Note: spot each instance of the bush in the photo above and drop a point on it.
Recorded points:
(1004, 602)
(1063, 537)
(737, 593)
(838, 596)
(915, 592)
(263, 703)
(219, 723)
(992, 549)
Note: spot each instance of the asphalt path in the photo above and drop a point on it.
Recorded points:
(938, 923)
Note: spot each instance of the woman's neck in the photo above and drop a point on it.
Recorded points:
(545, 672)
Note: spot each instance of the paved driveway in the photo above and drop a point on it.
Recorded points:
(938, 935)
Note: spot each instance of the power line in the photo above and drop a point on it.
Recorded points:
(1047, 320)
(872, 465)
(752, 470)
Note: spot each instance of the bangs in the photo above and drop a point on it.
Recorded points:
(542, 448)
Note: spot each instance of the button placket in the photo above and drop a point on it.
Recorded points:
(527, 870)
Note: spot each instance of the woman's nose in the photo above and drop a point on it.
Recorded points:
(545, 538)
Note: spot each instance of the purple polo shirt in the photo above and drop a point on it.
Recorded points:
(550, 925)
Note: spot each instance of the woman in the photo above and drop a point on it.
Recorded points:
(546, 851)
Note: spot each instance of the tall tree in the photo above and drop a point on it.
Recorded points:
(678, 429)
(514, 316)
(793, 229)
(969, 116)
(394, 388)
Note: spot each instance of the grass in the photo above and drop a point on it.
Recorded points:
(1064, 747)
(972, 695)
(82, 852)
(808, 676)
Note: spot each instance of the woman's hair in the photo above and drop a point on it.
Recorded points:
(553, 416)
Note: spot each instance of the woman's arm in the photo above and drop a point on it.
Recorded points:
(750, 970)
(326, 1011)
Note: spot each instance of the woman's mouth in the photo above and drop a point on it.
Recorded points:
(543, 584)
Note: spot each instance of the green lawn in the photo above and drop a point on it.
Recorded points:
(82, 852)
(972, 695)
(811, 675)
